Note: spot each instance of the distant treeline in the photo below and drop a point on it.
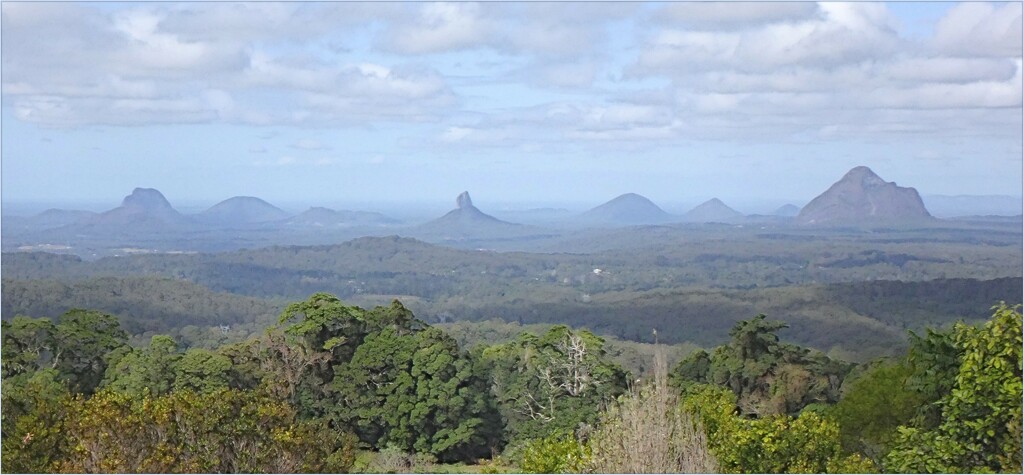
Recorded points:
(857, 321)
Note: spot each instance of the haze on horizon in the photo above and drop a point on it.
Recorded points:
(516, 102)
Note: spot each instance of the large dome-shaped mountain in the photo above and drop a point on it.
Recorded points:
(862, 196)
(627, 209)
(241, 210)
(712, 211)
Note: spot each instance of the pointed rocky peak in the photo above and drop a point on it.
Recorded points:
(463, 200)
(146, 199)
(861, 195)
(864, 176)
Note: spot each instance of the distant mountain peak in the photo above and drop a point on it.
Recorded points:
(242, 210)
(467, 221)
(463, 200)
(626, 209)
(712, 210)
(146, 198)
(145, 209)
(862, 195)
(788, 210)
(864, 175)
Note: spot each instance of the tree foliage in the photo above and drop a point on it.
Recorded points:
(554, 383)
(224, 431)
(416, 391)
(980, 428)
(876, 400)
(767, 376)
(778, 443)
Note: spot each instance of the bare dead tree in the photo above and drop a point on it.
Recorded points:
(649, 432)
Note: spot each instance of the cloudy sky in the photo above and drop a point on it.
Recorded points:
(527, 102)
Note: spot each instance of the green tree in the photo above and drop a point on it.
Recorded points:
(223, 431)
(934, 360)
(325, 323)
(981, 416)
(767, 376)
(143, 371)
(83, 340)
(34, 409)
(556, 453)
(415, 391)
(202, 371)
(778, 443)
(554, 383)
(875, 402)
(28, 345)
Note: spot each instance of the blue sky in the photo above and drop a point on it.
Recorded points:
(531, 103)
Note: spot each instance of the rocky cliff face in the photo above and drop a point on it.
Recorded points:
(861, 196)
(463, 200)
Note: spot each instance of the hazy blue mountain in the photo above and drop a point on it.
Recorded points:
(861, 196)
(145, 209)
(787, 210)
(627, 209)
(330, 218)
(467, 222)
(49, 219)
(241, 210)
(710, 211)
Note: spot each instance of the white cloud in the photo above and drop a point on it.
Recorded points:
(951, 70)
(980, 29)
(731, 15)
(718, 70)
(441, 27)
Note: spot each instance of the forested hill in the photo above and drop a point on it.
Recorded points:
(856, 320)
(402, 266)
(854, 296)
(144, 305)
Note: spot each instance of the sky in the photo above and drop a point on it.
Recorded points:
(540, 103)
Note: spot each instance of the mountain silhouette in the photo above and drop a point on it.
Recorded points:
(330, 218)
(241, 210)
(710, 211)
(144, 209)
(466, 221)
(861, 196)
(627, 209)
(787, 210)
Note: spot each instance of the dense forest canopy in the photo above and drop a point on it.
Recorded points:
(331, 382)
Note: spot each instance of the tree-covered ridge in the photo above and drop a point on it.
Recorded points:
(144, 304)
(332, 384)
(854, 321)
